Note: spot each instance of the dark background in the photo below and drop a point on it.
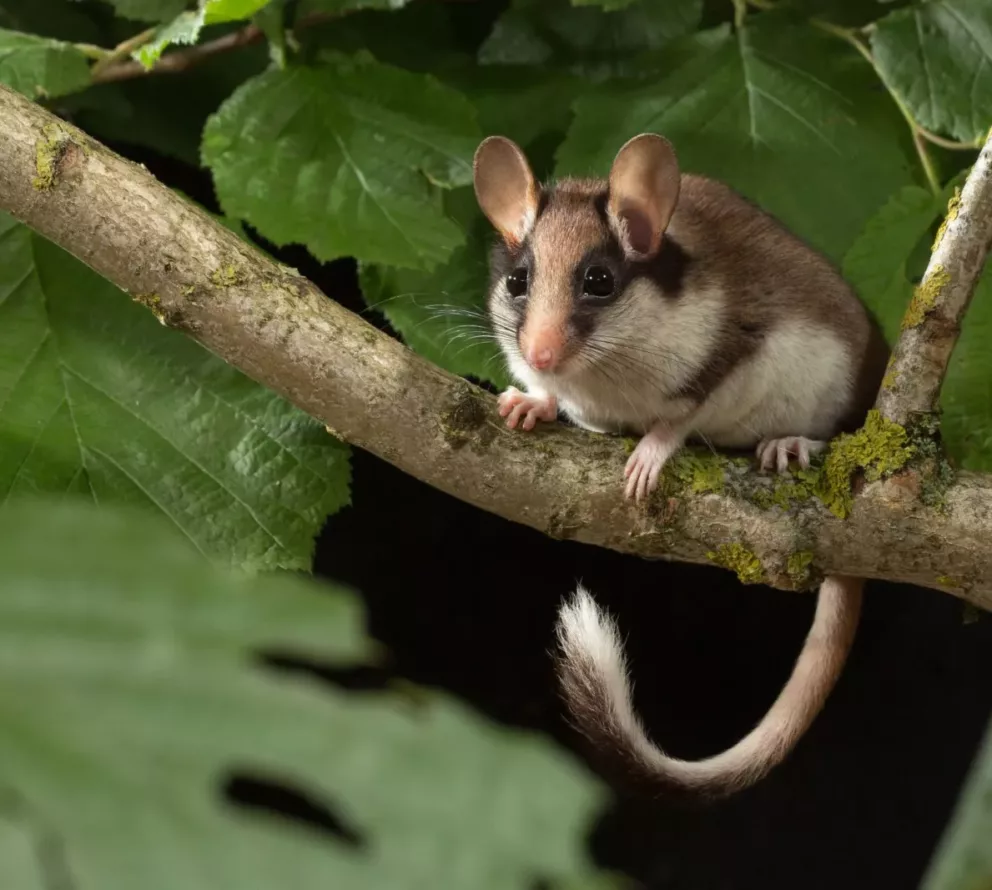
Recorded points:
(466, 601)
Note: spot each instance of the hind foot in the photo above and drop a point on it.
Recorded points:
(776, 453)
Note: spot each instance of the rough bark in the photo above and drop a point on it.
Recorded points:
(373, 392)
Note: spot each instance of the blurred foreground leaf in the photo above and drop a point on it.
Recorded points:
(130, 690)
(963, 860)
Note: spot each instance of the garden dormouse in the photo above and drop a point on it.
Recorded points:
(665, 305)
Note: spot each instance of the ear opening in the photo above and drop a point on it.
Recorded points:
(644, 189)
(505, 187)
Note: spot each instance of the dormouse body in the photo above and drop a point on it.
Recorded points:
(666, 305)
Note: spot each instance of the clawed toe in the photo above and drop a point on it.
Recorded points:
(777, 453)
(525, 410)
(646, 462)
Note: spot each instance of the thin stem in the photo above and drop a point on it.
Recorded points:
(846, 34)
(950, 144)
(122, 51)
(97, 53)
(929, 170)
(740, 13)
(176, 62)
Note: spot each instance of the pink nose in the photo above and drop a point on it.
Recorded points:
(542, 358)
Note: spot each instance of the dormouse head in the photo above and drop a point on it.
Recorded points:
(570, 253)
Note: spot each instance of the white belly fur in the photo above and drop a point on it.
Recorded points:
(797, 384)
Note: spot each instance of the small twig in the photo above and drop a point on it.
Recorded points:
(121, 52)
(181, 60)
(920, 143)
(740, 13)
(91, 51)
(951, 144)
(933, 320)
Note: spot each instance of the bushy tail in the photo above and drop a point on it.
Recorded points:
(592, 669)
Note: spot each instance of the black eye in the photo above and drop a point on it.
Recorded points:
(598, 282)
(516, 282)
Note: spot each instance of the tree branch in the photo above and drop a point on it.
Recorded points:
(372, 391)
(178, 61)
(932, 322)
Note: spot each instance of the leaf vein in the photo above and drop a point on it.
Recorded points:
(219, 482)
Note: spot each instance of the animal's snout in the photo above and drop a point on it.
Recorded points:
(543, 348)
(543, 359)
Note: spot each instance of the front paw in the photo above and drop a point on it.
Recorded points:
(646, 462)
(514, 405)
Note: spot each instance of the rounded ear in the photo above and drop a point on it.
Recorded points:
(505, 187)
(644, 189)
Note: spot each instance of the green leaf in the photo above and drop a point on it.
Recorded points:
(98, 399)
(788, 116)
(340, 158)
(130, 690)
(38, 67)
(186, 27)
(148, 10)
(537, 32)
(442, 314)
(271, 21)
(876, 265)
(937, 57)
(963, 860)
(218, 11)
